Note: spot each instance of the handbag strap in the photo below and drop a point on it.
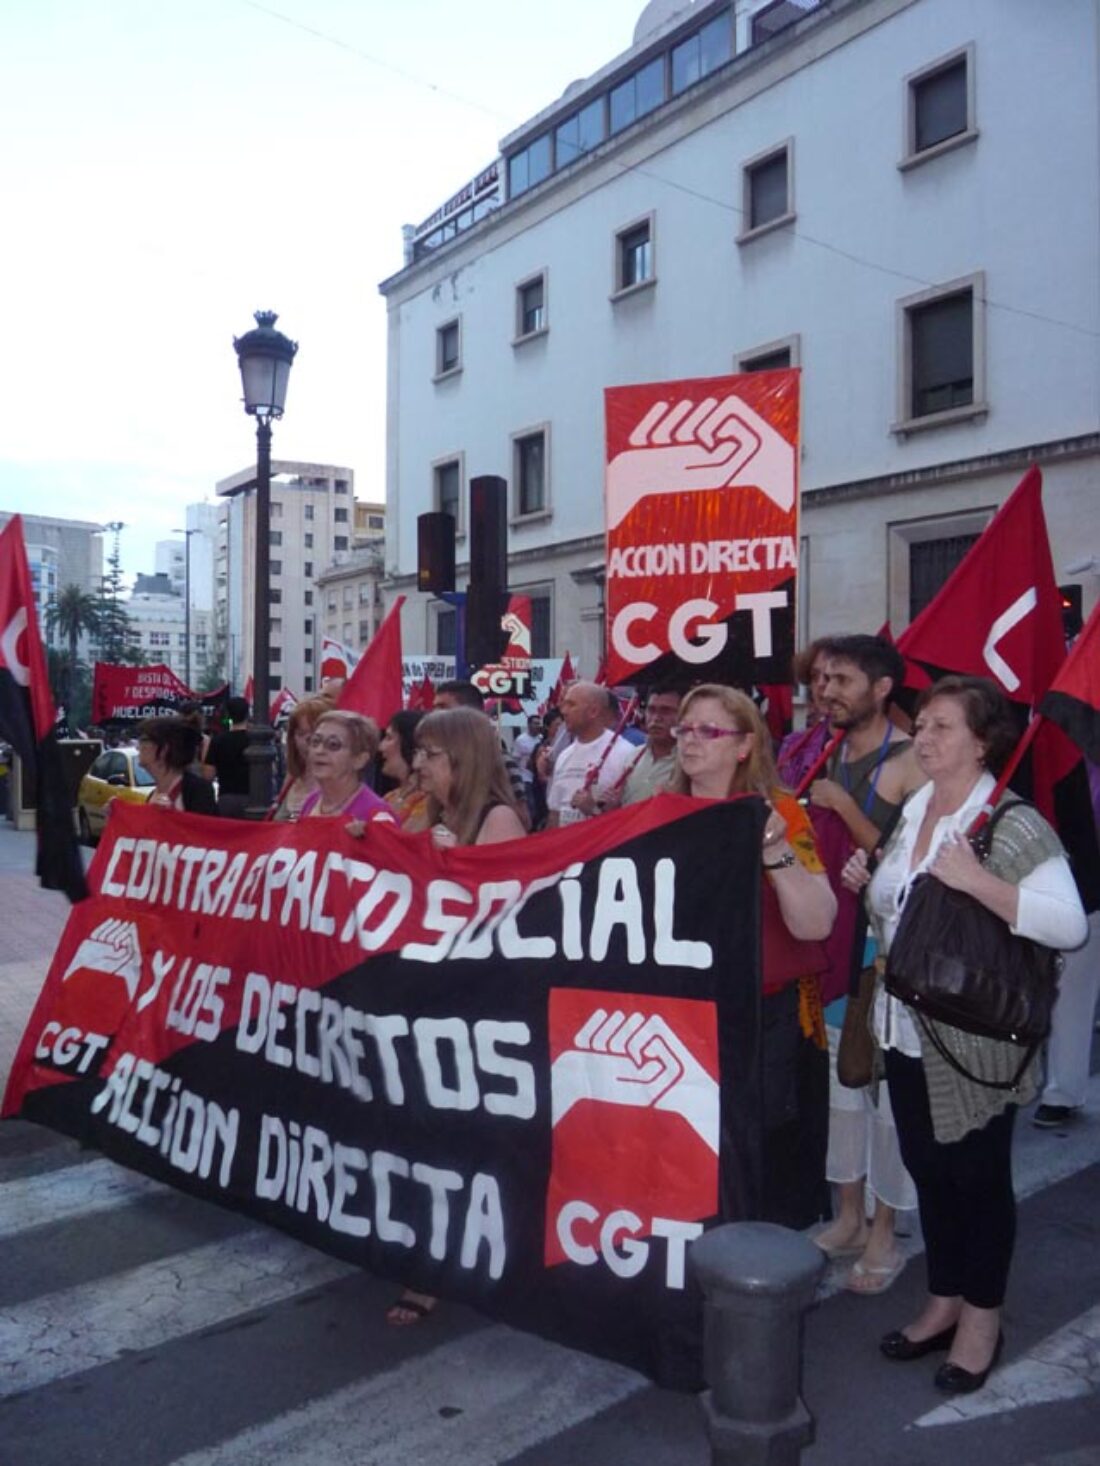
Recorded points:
(953, 1063)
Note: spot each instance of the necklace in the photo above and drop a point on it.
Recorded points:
(323, 808)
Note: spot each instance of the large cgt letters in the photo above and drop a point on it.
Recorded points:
(691, 619)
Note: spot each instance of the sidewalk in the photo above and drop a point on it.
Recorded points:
(31, 922)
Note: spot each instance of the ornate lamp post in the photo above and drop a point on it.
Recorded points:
(265, 356)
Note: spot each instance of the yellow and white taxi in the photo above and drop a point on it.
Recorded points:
(116, 774)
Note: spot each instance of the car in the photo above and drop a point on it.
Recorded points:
(116, 774)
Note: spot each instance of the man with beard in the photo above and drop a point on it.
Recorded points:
(867, 779)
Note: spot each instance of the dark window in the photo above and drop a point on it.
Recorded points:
(309, 511)
(447, 488)
(639, 94)
(364, 632)
(942, 345)
(341, 485)
(308, 654)
(939, 105)
(340, 516)
(274, 683)
(309, 684)
(275, 653)
(930, 563)
(445, 633)
(540, 626)
(307, 568)
(308, 597)
(340, 542)
(531, 474)
(275, 598)
(529, 167)
(307, 626)
(635, 256)
(768, 361)
(447, 348)
(580, 133)
(768, 194)
(532, 307)
(701, 53)
(276, 567)
(275, 536)
(309, 542)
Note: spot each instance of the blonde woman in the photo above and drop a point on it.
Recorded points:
(723, 748)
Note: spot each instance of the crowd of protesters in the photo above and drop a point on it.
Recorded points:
(882, 800)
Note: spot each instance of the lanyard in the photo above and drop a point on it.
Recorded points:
(846, 780)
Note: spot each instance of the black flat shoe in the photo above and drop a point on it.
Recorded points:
(953, 1379)
(899, 1346)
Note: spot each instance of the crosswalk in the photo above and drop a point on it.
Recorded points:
(462, 1391)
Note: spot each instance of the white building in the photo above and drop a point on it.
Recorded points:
(899, 196)
(60, 553)
(158, 625)
(312, 521)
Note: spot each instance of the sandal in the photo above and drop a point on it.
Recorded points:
(867, 1279)
(409, 1309)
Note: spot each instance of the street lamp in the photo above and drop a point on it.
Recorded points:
(265, 356)
(187, 533)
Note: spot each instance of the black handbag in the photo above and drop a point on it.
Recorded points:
(953, 961)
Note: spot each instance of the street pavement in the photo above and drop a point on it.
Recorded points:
(141, 1325)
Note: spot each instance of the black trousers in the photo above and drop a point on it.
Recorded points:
(964, 1191)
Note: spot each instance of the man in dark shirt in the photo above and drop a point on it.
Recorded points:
(226, 762)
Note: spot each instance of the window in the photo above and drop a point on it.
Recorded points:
(200, 642)
(767, 197)
(529, 167)
(364, 593)
(531, 307)
(634, 256)
(341, 486)
(580, 133)
(376, 521)
(364, 632)
(275, 598)
(307, 656)
(309, 511)
(181, 639)
(275, 536)
(274, 683)
(309, 542)
(275, 653)
(922, 553)
(701, 53)
(777, 16)
(307, 568)
(346, 633)
(447, 489)
(331, 604)
(340, 542)
(529, 473)
(276, 625)
(941, 373)
(309, 680)
(930, 563)
(772, 356)
(349, 597)
(307, 626)
(307, 598)
(445, 627)
(448, 349)
(276, 567)
(276, 510)
(636, 96)
(939, 107)
(542, 606)
(340, 516)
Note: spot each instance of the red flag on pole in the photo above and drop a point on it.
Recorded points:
(999, 614)
(28, 718)
(374, 688)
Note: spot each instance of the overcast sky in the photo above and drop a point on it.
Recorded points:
(167, 169)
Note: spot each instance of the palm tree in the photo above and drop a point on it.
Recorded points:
(74, 612)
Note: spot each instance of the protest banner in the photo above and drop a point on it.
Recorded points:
(524, 1075)
(702, 528)
(128, 694)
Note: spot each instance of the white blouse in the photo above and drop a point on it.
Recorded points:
(1049, 908)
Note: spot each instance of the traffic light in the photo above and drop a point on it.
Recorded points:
(435, 552)
(486, 639)
(1072, 617)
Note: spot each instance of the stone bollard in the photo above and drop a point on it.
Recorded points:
(757, 1281)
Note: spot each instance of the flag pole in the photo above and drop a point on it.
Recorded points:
(819, 763)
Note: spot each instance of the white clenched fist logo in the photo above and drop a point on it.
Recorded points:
(112, 948)
(631, 1059)
(684, 446)
(519, 633)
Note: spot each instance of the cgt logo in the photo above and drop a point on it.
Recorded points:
(636, 1119)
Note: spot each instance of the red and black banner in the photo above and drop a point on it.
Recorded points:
(28, 718)
(128, 694)
(523, 1076)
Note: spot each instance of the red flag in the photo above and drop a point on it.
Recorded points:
(281, 703)
(421, 696)
(1073, 701)
(374, 688)
(249, 690)
(999, 614)
(28, 716)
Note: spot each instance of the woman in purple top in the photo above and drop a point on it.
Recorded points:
(340, 748)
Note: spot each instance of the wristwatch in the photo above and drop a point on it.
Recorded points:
(783, 863)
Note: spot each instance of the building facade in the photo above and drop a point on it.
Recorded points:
(61, 552)
(159, 626)
(312, 521)
(851, 188)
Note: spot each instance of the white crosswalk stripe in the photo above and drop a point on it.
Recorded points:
(480, 1401)
(62, 1333)
(74, 1191)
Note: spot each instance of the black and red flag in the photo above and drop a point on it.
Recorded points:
(1073, 701)
(28, 717)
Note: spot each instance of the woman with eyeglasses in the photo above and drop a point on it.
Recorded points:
(723, 748)
(461, 768)
(299, 783)
(397, 751)
(341, 747)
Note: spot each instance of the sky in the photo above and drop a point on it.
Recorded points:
(168, 169)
